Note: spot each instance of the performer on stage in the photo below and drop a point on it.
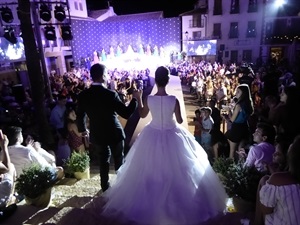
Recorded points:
(103, 55)
(111, 52)
(148, 51)
(141, 49)
(119, 50)
(96, 57)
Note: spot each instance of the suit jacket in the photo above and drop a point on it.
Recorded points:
(102, 106)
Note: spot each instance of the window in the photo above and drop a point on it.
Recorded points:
(247, 55)
(280, 27)
(218, 7)
(80, 6)
(196, 21)
(217, 31)
(234, 30)
(269, 29)
(235, 7)
(76, 5)
(251, 30)
(196, 35)
(252, 6)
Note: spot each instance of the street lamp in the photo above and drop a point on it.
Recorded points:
(186, 35)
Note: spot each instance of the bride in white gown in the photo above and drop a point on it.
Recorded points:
(166, 178)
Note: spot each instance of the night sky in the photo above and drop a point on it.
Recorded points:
(169, 7)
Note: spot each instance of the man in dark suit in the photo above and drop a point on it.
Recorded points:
(102, 106)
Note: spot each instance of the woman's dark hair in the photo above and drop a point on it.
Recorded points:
(162, 76)
(66, 115)
(283, 142)
(293, 158)
(63, 132)
(291, 121)
(246, 99)
(292, 93)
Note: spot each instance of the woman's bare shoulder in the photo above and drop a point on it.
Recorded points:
(281, 179)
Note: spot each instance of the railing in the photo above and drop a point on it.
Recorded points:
(196, 23)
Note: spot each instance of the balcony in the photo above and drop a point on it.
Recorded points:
(196, 23)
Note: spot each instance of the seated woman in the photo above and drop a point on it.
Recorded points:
(279, 197)
(75, 138)
(280, 155)
(279, 164)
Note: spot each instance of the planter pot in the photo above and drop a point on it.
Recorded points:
(242, 206)
(82, 175)
(43, 200)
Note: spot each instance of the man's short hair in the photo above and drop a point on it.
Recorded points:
(12, 133)
(268, 130)
(97, 71)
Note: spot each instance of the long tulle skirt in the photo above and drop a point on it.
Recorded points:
(166, 179)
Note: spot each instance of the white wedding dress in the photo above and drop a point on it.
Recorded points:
(166, 178)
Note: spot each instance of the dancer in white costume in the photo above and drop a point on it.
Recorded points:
(166, 178)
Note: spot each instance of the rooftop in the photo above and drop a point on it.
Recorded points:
(97, 13)
(139, 16)
(195, 11)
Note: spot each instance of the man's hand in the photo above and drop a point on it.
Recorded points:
(241, 153)
(137, 94)
(86, 133)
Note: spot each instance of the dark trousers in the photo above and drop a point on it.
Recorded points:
(104, 152)
(7, 212)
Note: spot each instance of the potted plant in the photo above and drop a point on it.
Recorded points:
(221, 166)
(79, 165)
(36, 183)
(240, 182)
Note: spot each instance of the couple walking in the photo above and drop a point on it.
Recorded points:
(166, 178)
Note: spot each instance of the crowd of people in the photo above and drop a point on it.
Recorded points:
(256, 104)
(259, 108)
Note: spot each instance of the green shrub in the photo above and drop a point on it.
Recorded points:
(238, 180)
(78, 162)
(35, 180)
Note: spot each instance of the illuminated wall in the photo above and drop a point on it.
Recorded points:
(90, 36)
